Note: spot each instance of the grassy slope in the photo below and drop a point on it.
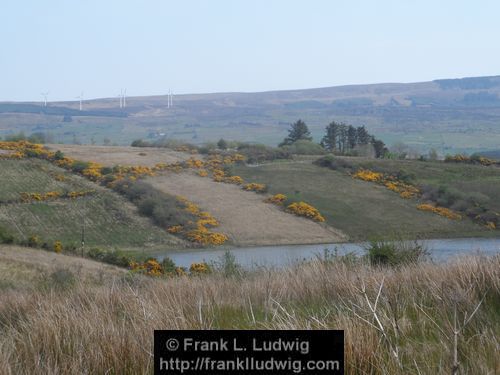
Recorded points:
(360, 209)
(25, 268)
(109, 219)
(111, 318)
(464, 177)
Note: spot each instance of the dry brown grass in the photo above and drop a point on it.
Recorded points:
(244, 216)
(108, 328)
(120, 155)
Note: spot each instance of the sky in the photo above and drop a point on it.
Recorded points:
(149, 47)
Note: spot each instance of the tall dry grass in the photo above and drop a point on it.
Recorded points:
(107, 327)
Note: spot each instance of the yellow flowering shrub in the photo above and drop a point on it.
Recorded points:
(195, 163)
(151, 267)
(199, 268)
(93, 171)
(367, 175)
(58, 247)
(306, 210)
(443, 211)
(205, 237)
(490, 225)
(277, 199)
(202, 173)
(233, 180)
(175, 229)
(218, 175)
(259, 188)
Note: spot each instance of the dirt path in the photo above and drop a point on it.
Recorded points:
(121, 155)
(243, 216)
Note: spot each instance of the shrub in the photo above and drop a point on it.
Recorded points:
(277, 199)
(335, 163)
(199, 268)
(79, 166)
(5, 236)
(259, 188)
(305, 147)
(168, 266)
(34, 241)
(442, 211)
(58, 247)
(62, 279)
(227, 265)
(306, 210)
(395, 253)
(258, 153)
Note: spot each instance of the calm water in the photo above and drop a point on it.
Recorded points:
(283, 255)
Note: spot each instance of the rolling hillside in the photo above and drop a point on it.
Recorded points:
(109, 220)
(452, 115)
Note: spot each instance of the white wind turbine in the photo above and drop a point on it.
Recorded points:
(45, 94)
(124, 98)
(120, 95)
(80, 97)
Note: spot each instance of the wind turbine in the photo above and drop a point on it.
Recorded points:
(45, 94)
(169, 99)
(120, 95)
(81, 99)
(124, 98)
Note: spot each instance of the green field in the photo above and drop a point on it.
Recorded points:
(109, 219)
(463, 177)
(363, 209)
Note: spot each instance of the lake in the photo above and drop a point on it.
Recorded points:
(283, 255)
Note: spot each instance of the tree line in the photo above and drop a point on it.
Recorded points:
(339, 138)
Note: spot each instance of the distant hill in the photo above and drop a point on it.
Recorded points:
(450, 115)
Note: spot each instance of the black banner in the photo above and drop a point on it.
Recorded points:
(249, 352)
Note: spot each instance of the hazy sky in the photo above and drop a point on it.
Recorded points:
(149, 46)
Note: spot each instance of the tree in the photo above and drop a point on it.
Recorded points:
(352, 136)
(362, 135)
(342, 138)
(298, 131)
(380, 148)
(329, 141)
(222, 144)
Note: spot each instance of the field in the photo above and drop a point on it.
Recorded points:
(244, 216)
(48, 297)
(466, 178)
(116, 155)
(109, 220)
(363, 209)
(22, 268)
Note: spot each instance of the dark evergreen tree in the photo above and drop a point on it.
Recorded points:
(222, 144)
(298, 131)
(329, 141)
(380, 148)
(363, 137)
(351, 137)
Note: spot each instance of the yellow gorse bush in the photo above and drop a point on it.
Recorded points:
(199, 268)
(51, 195)
(201, 234)
(150, 267)
(237, 180)
(306, 210)
(392, 183)
(259, 188)
(443, 211)
(277, 199)
(367, 175)
(58, 247)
